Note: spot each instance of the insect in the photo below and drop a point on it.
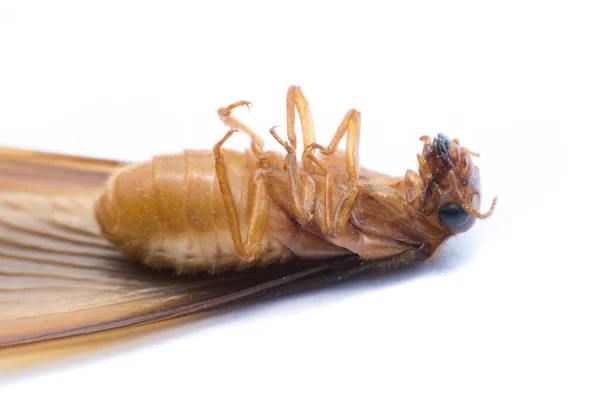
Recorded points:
(219, 210)
(73, 230)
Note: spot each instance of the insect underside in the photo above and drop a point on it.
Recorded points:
(73, 229)
(221, 210)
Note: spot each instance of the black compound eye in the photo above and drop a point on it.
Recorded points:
(453, 215)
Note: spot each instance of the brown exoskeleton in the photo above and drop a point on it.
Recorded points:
(211, 211)
(222, 210)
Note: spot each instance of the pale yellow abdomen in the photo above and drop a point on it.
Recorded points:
(169, 212)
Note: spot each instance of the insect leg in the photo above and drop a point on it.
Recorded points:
(334, 221)
(336, 216)
(296, 101)
(259, 207)
(350, 125)
(303, 190)
(225, 115)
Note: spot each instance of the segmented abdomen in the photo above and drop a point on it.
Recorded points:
(169, 212)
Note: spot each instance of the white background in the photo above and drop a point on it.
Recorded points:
(507, 310)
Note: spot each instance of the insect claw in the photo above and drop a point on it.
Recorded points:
(225, 112)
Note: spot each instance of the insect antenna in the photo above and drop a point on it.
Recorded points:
(468, 208)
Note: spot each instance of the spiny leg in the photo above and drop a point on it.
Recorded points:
(259, 207)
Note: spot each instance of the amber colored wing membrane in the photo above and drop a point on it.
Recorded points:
(32, 171)
(59, 277)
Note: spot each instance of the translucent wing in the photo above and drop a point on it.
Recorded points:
(59, 277)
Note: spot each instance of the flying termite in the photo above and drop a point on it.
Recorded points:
(230, 224)
(220, 210)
